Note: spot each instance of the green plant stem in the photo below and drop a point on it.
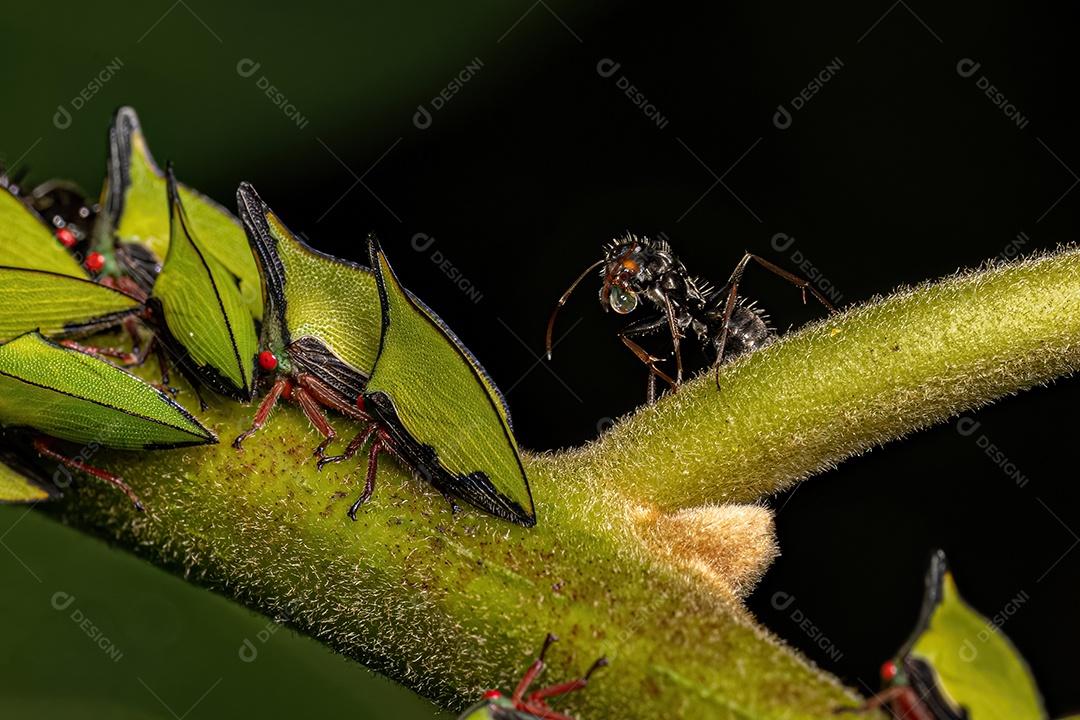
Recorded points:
(452, 604)
(850, 382)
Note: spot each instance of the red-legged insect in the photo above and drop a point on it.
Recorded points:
(901, 698)
(534, 706)
(56, 393)
(939, 674)
(61, 204)
(430, 404)
(634, 268)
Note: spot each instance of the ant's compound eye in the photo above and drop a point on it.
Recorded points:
(622, 301)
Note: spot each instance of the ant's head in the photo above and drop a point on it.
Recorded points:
(623, 265)
(626, 263)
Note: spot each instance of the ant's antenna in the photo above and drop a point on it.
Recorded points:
(563, 299)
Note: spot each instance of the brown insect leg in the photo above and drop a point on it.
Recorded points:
(654, 371)
(676, 335)
(313, 410)
(101, 353)
(896, 698)
(263, 412)
(44, 446)
(736, 277)
(311, 393)
(351, 449)
(534, 670)
(369, 480)
(801, 283)
(570, 685)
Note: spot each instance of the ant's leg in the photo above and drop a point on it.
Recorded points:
(801, 283)
(729, 308)
(641, 328)
(654, 371)
(733, 284)
(676, 335)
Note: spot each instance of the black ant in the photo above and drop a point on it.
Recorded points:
(635, 268)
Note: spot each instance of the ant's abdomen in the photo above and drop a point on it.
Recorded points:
(747, 332)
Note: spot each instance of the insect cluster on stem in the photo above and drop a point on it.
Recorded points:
(235, 306)
(940, 674)
(534, 705)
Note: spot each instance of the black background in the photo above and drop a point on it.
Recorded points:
(898, 170)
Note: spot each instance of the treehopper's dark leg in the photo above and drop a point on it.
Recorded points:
(198, 393)
(164, 368)
(315, 392)
(263, 412)
(131, 324)
(313, 411)
(372, 470)
(44, 446)
(454, 507)
(144, 352)
(101, 353)
(351, 449)
(903, 695)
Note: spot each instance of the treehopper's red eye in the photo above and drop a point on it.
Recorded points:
(66, 237)
(95, 262)
(491, 694)
(267, 361)
(888, 671)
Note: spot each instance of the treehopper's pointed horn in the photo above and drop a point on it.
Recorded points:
(447, 418)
